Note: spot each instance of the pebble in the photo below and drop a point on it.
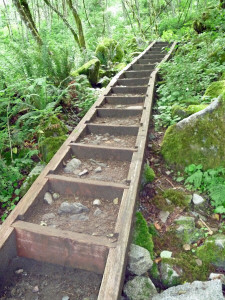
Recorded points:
(42, 223)
(80, 217)
(19, 271)
(117, 140)
(48, 216)
(48, 198)
(198, 262)
(116, 201)
(166, 254)
(55, 196)
(163, 215)
(186, 247)
(72, 208)
(35, 289)
(96, 202)
(65, 298)
(168, 173)
(98, 170)
(72, 165)
(197, 199)
(214, 276)
(84, 172)
(105, 139)
(97, 212)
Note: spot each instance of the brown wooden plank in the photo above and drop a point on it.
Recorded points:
(61, 247)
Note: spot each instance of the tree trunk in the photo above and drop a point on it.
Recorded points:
(78, 23)
(25, 14)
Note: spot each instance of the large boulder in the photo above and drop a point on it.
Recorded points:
(90, 69)
(198, 139)
(140, 288)
(197, 290)
(109, 50)
(139, 260)
(215, 89)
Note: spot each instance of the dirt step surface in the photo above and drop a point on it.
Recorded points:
(129, 121)
(102, 170)
(125, 106)
(31, 280)
(97, 216)
(124, 141)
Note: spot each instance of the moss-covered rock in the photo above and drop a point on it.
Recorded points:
(109, 50)
(49, 146)
(178, 198)
(142, 237)
(52, 127)
(182, 112)
(187, 231)
(119, 67)
(215, 89)
(198, 139)
(170, 276)
(213, 251)
(90, 69)
(103, 82)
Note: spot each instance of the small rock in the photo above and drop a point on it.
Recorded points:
(35, 289)
(103, 165)
(19, 271)
(105, 139)
(214, 276)
(198, 262)
(65, 298)
(55, 196)
(42, 223)
(48, 198)
(216, 217)
(117, 140)
(80, 217)
(169, 275)
(166, 254)
(139, 260)
(197, 199)
(98, 170)
(140, 288)
(48, 216)
(187, 247)
(163, 215)
(96, 202)
(115, 201)
(168, 173)
(97, 212)
(72, 165)
(84, 172)
(72, 208)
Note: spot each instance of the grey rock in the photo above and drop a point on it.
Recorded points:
(163, 215)
(168, 275)
(197, 199)
(197, 290)
(72, 208)
(140, 288)
(84, 172)
(139, 260)
(34, 172)
(72, 165)
(166, 254)
(65, 298)
(70, 128)
(48, 216)
(214, 276)
(48, 198)
(97, 212)
(79, 217)
(98, 170)
(117, 140)
(55, 196)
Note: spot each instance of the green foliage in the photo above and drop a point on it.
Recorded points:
(142, 237)
(149, 174)
(211, 181)
(109, 50)
(178, 198)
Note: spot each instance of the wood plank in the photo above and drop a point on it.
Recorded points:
(62, 247)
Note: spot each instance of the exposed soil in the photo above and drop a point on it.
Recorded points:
(42, 281)
(102, 224)
(111, 171)
(121, 141)
(128, 121)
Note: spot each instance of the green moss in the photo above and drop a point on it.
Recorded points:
(29, 183)
(49, 146)
(90, 69)
(182, 112)
(149, 174)
(142, 237)
(109, 50)
(119, 67)
(154, 272)
(215, 89)
(200, 141)
(160, 202)
(192, 109)
(53, 127)
(178, 198)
